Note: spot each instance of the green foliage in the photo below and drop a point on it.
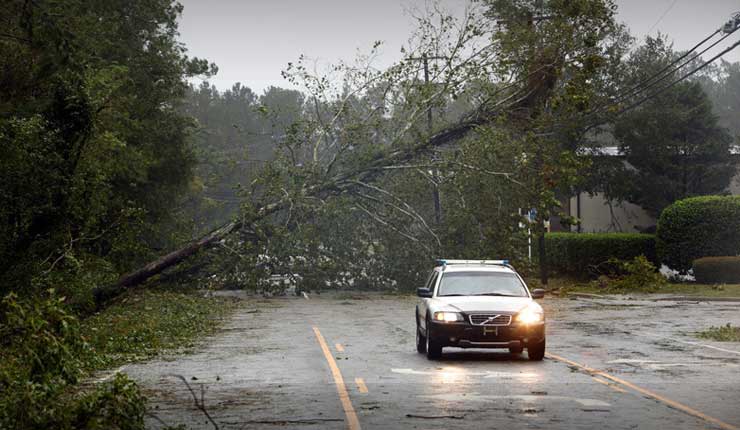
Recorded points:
(583, 254)
(726, 333)
(118, 404)
(723, 87)
(636, 275)
(143, 324)
(717, 270)
(698, 227)
(41, 358)
(673, 145)
(43, 338)
(235, 138)
(94, 150)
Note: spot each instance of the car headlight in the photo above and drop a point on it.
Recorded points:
(530, 315)
(447, 316)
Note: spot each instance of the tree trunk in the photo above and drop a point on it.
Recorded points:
(105, 293)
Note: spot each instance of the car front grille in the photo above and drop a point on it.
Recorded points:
(490, 319)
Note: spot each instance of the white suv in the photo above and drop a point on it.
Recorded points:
(479, 304)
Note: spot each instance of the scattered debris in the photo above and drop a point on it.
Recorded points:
(436, 417)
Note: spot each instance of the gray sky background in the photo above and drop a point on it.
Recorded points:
(253, 40)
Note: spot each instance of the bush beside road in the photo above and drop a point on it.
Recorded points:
(698, 227)
(47, 351)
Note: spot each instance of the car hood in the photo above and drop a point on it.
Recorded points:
(481, 303)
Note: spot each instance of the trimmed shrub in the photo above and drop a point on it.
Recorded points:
(717, 270)
(581, 254)
(698, 227)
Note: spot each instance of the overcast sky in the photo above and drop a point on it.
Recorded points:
(251, 41)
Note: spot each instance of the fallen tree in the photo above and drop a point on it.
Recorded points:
(367, 123)
(340, 184)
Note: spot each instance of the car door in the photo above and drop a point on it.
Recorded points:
(421, 308)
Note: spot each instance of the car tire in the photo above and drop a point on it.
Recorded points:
(421, 340)
(516, 351)
(434, 349)
(536, 352)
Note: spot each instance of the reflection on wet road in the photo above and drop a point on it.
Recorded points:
(614, 365)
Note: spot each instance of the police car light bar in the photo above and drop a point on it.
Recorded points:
(444, 262)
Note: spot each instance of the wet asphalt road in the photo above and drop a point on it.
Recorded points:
(266, 369)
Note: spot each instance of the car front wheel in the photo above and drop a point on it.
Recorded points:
(421, 340)
(434, 349)
(536, 352)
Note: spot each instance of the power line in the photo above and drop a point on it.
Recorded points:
(661, 74)
(676, 81)
(665, 73)
(662, 16)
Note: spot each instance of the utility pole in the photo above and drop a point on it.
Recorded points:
(435, 174)
(430, 128)
(542, 213)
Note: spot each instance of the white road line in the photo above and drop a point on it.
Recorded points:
(474, 397)
(654, 336)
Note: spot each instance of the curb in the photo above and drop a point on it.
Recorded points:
(696, 299)
(656, 299)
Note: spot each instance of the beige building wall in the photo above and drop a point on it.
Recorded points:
(597, 217)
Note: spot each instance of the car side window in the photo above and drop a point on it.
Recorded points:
(433, 281)
(429, 279)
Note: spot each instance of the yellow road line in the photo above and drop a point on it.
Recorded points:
(646, 392)
(361, 385)
(339, 347)
(351, 417)
(608, 384)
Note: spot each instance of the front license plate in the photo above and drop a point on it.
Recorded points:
(490, 331)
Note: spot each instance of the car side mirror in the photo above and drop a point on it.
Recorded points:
(538, 293)
(424, 292)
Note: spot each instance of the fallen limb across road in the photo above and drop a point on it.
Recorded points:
(105, 293)
(342, 183)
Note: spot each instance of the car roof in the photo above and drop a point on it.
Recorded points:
(475, 268)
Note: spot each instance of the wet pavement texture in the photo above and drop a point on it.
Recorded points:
(265, 369)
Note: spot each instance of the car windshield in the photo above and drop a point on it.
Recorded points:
(481, 284)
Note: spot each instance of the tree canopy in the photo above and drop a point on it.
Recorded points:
(673, 144)
(95, 150)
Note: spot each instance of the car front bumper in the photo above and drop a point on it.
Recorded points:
(466, 335)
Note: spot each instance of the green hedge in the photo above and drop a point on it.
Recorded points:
(579, 253)
(717, 270)
(698, 227)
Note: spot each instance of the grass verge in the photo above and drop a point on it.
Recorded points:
(563, 286)
(726, 333)
(144, 323)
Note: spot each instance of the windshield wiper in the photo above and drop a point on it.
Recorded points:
(451, 295)
(495, 294)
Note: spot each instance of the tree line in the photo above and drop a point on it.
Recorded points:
(112, 158)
